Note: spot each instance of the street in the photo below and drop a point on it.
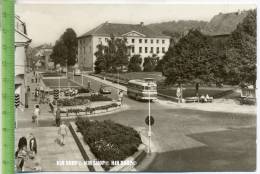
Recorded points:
(185, 136)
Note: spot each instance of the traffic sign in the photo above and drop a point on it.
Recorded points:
(17, 100)
(151, 120)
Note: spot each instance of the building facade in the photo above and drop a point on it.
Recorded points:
(21, 44)
(140, 39)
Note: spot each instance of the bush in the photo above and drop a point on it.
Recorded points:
(108, 140)
(81, 100)
(83, 90)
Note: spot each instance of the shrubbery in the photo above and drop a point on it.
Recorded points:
(81, 100)
(108, 140)
(83, 90)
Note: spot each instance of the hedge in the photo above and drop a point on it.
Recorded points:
(109, 141)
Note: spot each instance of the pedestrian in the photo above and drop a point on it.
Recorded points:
(33, 144)
(36, 115)
(63, 132)
(57, 119)
(21, 154)
(29, 91)
(89, 85)
(178, 94)
(120, 97)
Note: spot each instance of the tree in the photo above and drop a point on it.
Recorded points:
(241, 51)
(100, 63)
(150, 63)
(135, 63)
(189, 60)
(65, 49)
(114, 56)
(59, 53)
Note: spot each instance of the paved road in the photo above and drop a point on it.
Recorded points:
(188, 140)
(195, 136)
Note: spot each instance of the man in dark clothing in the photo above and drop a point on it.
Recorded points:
(57, 116)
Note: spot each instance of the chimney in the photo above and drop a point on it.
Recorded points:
(142, 24)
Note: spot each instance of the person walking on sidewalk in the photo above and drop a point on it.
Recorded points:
(57, 119)
(63, 132)
(36, 115)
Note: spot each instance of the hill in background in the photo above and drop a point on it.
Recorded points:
(222, 23)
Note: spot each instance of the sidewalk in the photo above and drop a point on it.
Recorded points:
(49, 151)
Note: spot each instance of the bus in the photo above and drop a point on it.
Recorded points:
(140, 89)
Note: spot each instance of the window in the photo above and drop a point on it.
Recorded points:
(106, 39)
(163, 49)
(157, 50)
(157, 41)
(145, 49)
(145, 41)
(151, 40)
(163, 41)
(151, 51)
(140, 49)
(133, 49)
(140, 40)
(99, 40)
(133, 40)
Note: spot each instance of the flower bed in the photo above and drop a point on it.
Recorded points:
(86, 109)
(82, 100)
(109, 141)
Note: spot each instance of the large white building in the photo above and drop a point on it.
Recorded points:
(21, 43)
(140, 39)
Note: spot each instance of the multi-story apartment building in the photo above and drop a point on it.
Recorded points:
(21, 43)
(140, 39)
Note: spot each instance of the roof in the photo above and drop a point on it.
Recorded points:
(118, 30)
(139, 82)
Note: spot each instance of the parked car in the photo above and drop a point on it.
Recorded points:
(104, 90)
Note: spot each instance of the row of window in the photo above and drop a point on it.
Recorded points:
(151, 41)
(151, 50)
(133, 41)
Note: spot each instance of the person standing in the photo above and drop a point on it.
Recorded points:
(179, 94)
(63, 132)
(57, 119)
(120, 97)
(36, 115)
(33, 144)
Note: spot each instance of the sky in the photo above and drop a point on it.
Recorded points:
(46, 22)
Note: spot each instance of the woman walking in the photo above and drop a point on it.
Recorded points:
(36, 115)
(63, 132)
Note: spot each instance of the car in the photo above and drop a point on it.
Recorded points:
(104, 90)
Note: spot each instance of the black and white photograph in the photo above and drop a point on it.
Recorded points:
(135, 87)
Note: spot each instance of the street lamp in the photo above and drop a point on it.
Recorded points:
(149, 125)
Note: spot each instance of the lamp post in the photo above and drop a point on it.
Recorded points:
(149, 126)
(82, 79)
